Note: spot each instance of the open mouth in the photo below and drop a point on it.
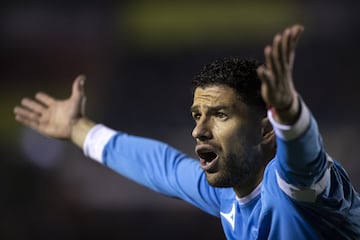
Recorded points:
(208, 158)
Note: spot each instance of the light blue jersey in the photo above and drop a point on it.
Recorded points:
(304, 193)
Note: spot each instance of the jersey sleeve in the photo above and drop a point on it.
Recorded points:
(320, 185)
(303, 166)
(153, 164)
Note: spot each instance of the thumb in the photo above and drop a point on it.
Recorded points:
(78, 90)
(78, 93)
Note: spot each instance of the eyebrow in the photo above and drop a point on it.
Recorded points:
(196, 108)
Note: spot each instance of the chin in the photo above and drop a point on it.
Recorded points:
(225, 179)
(218, 180)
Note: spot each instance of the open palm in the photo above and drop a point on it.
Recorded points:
(277, 85)
(53, 117)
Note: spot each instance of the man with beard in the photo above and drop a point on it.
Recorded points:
(263, 168)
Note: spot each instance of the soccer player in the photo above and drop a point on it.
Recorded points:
(262, 167)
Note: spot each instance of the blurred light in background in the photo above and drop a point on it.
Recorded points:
(169, 24)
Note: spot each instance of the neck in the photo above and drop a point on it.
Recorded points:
(246, 187)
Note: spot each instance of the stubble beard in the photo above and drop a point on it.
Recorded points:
(231, 175)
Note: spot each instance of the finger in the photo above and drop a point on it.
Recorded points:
(44, 98)
(268, 71)
(267, 53)
(32, 105)
(27, 122)
(266, 84)
(82, 107)
(276, 56)
(296, 32)
(78, 87)
(263, 74)
(285, 44)
(26, 116)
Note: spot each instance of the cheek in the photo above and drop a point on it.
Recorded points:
(234, 136)
(231, 140)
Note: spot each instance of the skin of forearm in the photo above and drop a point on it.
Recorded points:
(79, 131)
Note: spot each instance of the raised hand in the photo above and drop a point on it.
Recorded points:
(53, 117)
(277, 87)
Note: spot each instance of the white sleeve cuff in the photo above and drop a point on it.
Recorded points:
(96, 140)
(289, 132)
(307, 194)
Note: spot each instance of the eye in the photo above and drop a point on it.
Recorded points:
(221, 115)
(196, 116)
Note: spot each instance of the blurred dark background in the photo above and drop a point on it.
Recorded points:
(139, 58)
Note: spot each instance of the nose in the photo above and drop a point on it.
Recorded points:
(202, 130)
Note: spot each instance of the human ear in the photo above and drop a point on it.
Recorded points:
(266, 127)
(268, 141)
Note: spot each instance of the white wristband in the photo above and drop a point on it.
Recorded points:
(96, 140)
(289, 132)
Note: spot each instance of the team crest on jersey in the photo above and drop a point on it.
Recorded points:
(230, 216)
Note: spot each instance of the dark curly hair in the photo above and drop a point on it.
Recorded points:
(237, 73)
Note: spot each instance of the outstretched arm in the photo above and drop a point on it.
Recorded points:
(302, 166)
(277, 88)
(61, 119)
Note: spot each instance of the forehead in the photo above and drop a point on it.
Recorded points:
(215, 95)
